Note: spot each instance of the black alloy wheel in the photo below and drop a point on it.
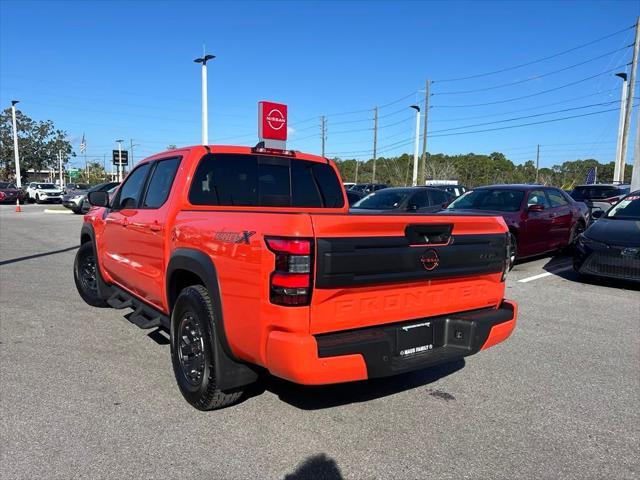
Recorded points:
(191, 349)
(86, 274)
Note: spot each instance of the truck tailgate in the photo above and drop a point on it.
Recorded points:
(376, 269)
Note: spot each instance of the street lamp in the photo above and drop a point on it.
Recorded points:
(618, 171)
(415, 148)
(205, 122)
(119, 142)
(16, 155)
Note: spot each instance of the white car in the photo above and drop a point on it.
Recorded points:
(43, 192)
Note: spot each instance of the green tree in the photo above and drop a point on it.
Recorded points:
(38, 141)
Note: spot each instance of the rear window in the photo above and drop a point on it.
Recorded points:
(593, 192)
(501, 200)
(264, 181)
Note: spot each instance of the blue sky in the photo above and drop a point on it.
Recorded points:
(117, 69)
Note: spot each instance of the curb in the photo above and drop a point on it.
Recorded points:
(62, 212)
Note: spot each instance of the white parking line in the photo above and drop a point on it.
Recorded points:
(546, 274)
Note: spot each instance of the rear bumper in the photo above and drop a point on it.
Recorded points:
(372, 352)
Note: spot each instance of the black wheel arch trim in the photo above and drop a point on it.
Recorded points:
(230, 372)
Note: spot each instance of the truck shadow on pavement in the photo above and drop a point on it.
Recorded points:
(329, 396)
(37, 255)
(316, 467)
(319, 397)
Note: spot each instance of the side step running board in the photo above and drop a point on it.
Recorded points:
(143, 315)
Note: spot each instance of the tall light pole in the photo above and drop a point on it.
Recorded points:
(205, 114)
(415, 148)
(635, 173)
(119, 160)
(618, 171)
(16, 155)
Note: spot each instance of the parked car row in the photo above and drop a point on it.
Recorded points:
(76, 199)
(600, 222)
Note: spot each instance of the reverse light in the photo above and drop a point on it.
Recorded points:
(290, 283)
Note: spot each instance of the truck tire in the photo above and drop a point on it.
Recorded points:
(85, 274)
(192, 344)
(37, 198)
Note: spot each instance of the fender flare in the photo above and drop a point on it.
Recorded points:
(230, 372)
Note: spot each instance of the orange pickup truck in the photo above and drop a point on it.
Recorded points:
(251, 259)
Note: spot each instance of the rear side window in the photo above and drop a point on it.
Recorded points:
(264, 181)
(438, 197)
(419, 200)
(160, 183)
(537, 197)
(557, 199)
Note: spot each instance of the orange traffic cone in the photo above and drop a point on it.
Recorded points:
(18, 209)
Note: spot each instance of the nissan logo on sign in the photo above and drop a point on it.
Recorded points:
(276, 119)
(272, 121)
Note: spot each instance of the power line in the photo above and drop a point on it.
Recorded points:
(536, 77)
(527, 124)
(475, 117)
(514, 67)
(527, 116)
(582, 80)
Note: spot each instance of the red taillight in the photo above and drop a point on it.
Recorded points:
(290, 282)
(2, 195)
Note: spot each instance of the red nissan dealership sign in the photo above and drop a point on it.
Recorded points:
(272, 121)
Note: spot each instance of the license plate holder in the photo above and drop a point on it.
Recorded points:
(414, 339)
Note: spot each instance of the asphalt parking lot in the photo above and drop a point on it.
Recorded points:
(86, 394)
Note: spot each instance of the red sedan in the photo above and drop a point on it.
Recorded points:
(9, 193)
(540, 219)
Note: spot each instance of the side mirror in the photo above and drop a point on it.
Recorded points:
(536, 208)
(99, 199)
(597, 214)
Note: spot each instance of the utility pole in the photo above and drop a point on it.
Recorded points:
(205, 113)
(537, 162)
(357, 164)
(16, 155)
(620, 157)
(414, 180)
(133, 164)
(635, 173)
(119, 160)
(60, 167)
(323, 131)
(629, 101)
(375, 143)
(423, 162)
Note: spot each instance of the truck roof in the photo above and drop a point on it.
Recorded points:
(237, 149)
